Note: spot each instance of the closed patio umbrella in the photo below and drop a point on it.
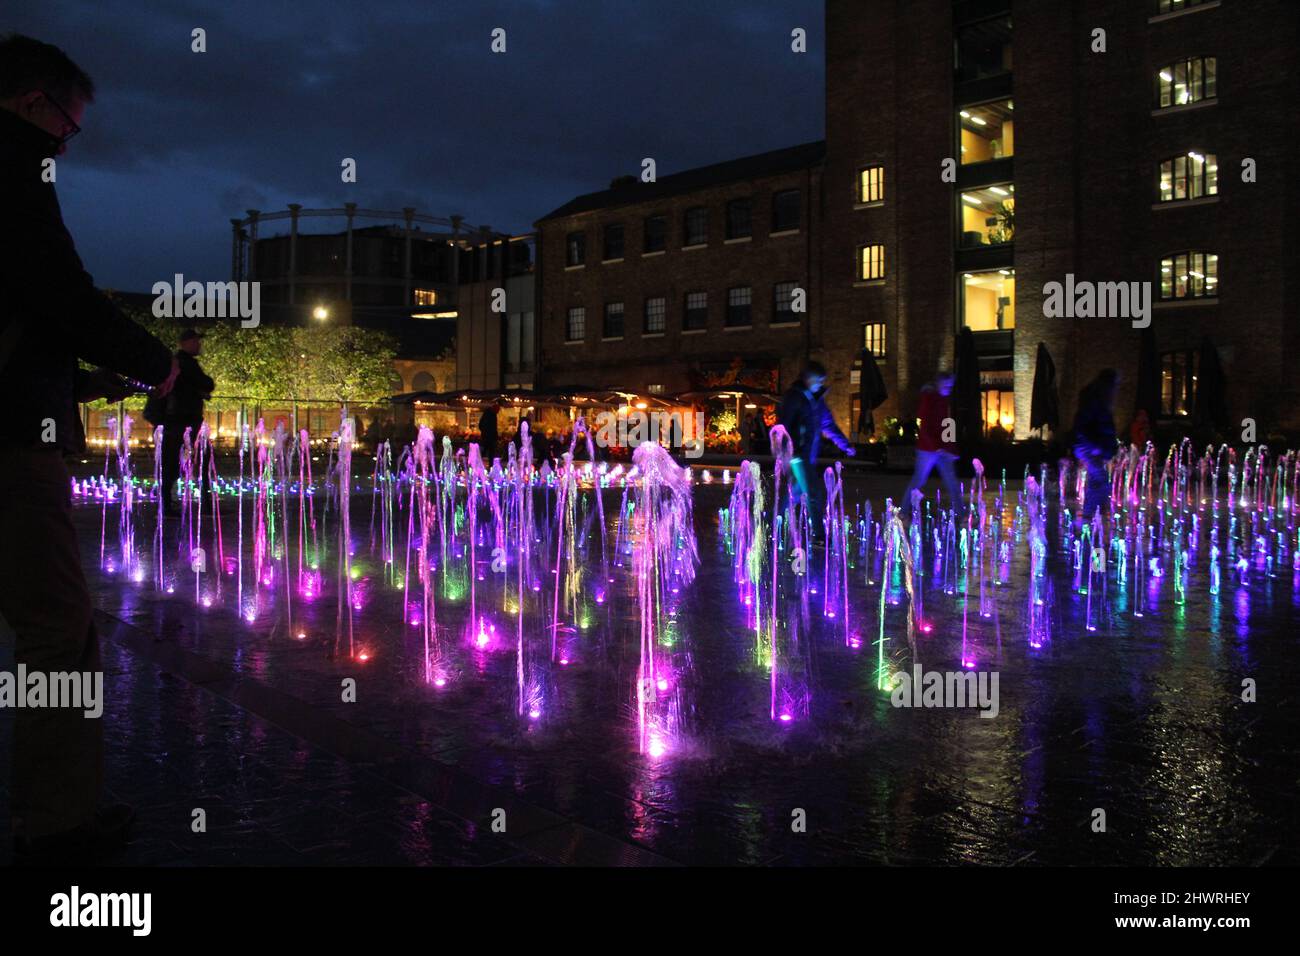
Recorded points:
(1045, 405)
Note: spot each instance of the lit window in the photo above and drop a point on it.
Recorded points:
(873, 338)
(426, 297)
(1189, 177)
(987, 131)
(696, 314)
(871, 184)
(871, 262)
(740, 306)
(655, 310)
(1187, 81)
(1189, 275)
(613, 328)
(998, 408)
(575, 327)
(988, 300)
(988, 216)
(1173, 6)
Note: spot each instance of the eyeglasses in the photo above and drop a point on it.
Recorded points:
(70, 121)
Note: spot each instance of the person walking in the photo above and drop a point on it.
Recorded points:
(1095, 443)
(183, 410)
(933, 447)
(51, 315)
(806, 417)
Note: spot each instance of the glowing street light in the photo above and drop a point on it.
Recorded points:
(320, 313)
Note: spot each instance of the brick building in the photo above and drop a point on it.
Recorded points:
(663, 286)
(1112, 161)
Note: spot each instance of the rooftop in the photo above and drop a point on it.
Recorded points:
(778, 161)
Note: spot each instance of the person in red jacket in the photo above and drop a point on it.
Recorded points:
(933, 450)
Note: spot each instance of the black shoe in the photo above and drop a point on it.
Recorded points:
(101, 837)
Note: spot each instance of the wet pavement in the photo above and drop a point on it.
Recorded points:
(1142, 718)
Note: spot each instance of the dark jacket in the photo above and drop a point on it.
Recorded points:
(184, 406)
(1094, 427)
(47, 294)
(807, 418)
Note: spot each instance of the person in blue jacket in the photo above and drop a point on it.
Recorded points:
(1095, 442)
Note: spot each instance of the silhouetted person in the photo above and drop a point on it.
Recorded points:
(933, 449)
(487, 432)
(183, 409)
(805, 416)
(1094, 438)
(756, 435)
(51, 315)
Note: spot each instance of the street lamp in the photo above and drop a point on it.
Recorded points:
(320, 313)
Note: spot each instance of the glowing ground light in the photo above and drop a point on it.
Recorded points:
(564, 661)
(657, 747)
(363, 656)
(927, 627)
(534, 713)
(663, 684)
(786, 718)
(207, 602)
(440, 682)
(968, 664)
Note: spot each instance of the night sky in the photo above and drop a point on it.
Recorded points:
(178, 143)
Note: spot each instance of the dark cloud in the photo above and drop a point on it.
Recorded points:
(179, 143)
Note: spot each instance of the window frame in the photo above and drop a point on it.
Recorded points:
(576, 240)
(700, 213)
(867, 339)
(878, 187)
(861, 263)
(743, 310)
(663, 315)
(616, 307)
(747, 202)
(778, 313)
(1208, 159)
(662, 220)
(1200, 58)
(580, 311)
(1209, 281)
(687, 311)
(777, 224)
(605, 245)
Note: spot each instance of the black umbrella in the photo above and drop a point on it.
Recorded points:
(966, 389)
(1044, 405)
(871, 392)
(1147, 394)
(1211, 402)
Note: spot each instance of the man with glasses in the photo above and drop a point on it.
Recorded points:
(51, 315)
